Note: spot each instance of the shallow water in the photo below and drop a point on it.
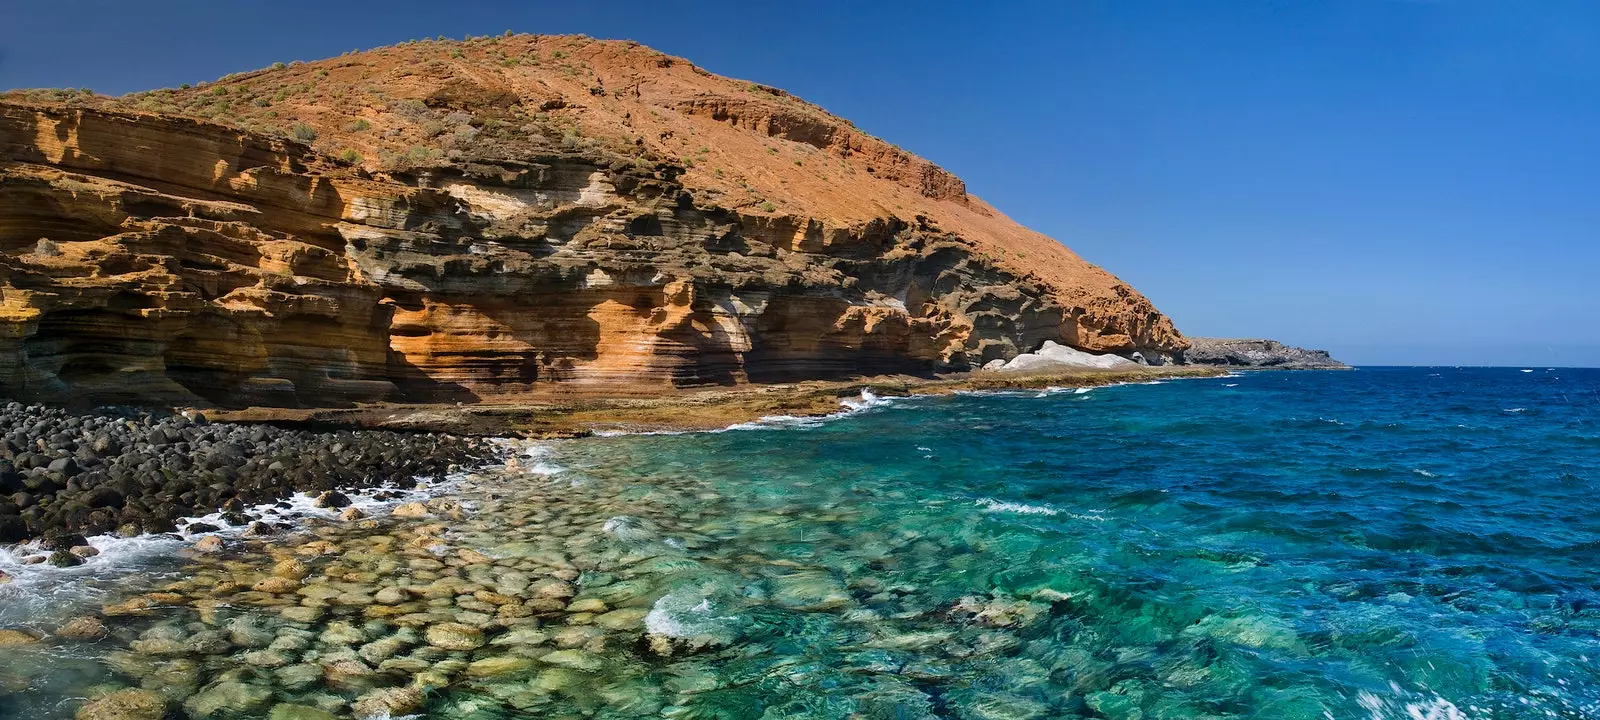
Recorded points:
(1385, 543)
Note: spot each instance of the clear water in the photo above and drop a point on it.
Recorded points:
(1385, 543)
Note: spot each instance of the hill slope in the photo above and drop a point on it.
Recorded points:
(470, 219)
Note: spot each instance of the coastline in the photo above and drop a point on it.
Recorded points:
(570, 416)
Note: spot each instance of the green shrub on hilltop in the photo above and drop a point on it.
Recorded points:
(303, 132)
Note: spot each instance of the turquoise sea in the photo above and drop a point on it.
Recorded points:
(1417, 543)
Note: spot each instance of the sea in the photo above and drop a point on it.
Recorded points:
(1373, 544)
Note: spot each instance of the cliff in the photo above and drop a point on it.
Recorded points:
(1257, 354)
(462, 221)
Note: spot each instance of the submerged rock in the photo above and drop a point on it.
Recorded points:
(16, 638)
(227, 697)
(389, 702)
(129, 704)
(82, 628)
(455, 636)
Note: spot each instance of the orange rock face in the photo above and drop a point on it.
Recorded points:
(510, 216)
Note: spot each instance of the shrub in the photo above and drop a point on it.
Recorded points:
(303, 132)
(358, 125)
(767, 206)
(509, 33)
(47, 247)
(278, 66)
(350, 156)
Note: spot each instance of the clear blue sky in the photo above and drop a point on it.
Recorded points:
(1399, 181)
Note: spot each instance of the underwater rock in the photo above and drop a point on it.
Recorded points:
(455, 636)
(389, 702)
(82, 628)
(227, 697)
(16, 638)
(129, 704)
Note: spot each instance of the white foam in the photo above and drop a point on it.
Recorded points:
(1514, 410)
(688, 615)
(1424, 473)
(1408, 706)
(994, 505)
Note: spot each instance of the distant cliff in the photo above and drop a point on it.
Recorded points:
(1262, 354)
(457, 221)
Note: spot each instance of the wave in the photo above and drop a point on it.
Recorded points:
(994, 505)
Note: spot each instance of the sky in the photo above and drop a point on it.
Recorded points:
(1397, 181)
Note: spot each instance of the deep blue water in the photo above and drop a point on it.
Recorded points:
(1387, 542)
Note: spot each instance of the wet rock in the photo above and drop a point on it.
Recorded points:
(389, 702)
(84, 552)
(332, 499)
(499, 665)
(276, 585)
(65, 558)
(291, 569)
(302, 614)
(289, 711)
(16, 638)
(573, 660)
(208, 544)
(129, 704)
(410, 510)
(391, 596)
(82, 628)
(455, 636)
(227, 697)
(298, 677)
(352, 514)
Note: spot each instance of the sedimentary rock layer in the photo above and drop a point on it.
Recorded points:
(150, 257)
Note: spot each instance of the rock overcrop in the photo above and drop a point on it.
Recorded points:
(64, 476)
(1260, 354)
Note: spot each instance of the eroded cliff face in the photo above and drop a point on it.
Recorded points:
(152, 258)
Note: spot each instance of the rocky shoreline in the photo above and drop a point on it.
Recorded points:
(65, 476)
(1256, 354)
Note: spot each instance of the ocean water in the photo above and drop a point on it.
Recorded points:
(1417, 543)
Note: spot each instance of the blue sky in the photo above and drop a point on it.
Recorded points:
(1399, 181)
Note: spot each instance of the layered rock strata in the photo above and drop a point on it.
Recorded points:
(151, 258)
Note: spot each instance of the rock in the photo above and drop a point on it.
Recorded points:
(410, 510)
(82, 628)
(573, 660)
(499, 665)
(623, 619)
(298, 677)
(84, 552)
(391, 596)
(351, 514)
(227, 698)
(332, 499)
(587, 605)
(291, 569)
(208, 544)
(276, 585)
(301, 614)
(129, 704)
(65, 559)
(16, 638)
(828, 257)
(1053, 356)
(455, 636)
(388, 702)
(289, 711)
(1247, 353)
